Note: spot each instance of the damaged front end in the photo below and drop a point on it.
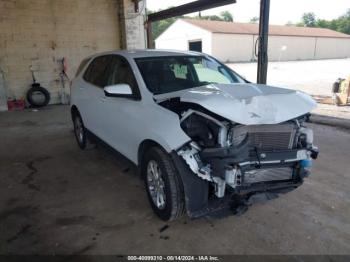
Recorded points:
(236, 165)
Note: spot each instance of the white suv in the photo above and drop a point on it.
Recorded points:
(206, 140)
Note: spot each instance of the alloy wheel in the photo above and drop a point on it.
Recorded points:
(79, 129)
(156, 186)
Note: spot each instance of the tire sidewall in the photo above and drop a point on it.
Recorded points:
(82, 144)
(41, 90)
(165, 213)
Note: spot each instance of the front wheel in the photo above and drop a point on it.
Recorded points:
(163, 184)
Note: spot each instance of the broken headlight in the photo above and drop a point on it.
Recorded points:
(236, 136)
(306, 137)
(302, 141)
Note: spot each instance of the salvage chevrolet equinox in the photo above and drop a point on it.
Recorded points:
(205, 140)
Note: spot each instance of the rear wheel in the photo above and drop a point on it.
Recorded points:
(81, 132)
(163, 184)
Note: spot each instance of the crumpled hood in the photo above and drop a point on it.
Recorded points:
(247, 104)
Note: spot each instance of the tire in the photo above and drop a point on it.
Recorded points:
(171, 184)
(41, 91)
(80, 132)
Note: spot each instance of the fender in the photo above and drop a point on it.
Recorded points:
(196, 189)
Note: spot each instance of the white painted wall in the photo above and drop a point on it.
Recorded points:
(298, 48)
(232, 48)
(180, 33)
(304, 48)
(332, 48)
(237, 48)
(240, 47)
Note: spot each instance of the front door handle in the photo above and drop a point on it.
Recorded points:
(103, 99)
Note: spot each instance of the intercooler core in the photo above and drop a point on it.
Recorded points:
(268, 174)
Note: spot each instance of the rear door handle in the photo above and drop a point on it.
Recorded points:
(103, 99)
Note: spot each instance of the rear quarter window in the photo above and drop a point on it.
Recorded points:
(82, 66)
(96, 71)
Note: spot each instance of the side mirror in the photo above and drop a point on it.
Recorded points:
(118, 90)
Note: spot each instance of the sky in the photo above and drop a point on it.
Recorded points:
(281, 11)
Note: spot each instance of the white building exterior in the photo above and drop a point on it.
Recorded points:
(235, 42)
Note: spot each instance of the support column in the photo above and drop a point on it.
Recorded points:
(134, 19)
(263, 41)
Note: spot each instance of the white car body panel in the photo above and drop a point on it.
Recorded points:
(82, 94)
(122, 89)
(137, 121)
(247, 104)
(125, 123)
(246, 131)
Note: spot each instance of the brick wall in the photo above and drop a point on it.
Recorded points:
(41, 32)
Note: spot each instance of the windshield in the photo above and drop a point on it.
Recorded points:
(170, 74)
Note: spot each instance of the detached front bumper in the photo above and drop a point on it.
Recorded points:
(276, 170)
(241, 190)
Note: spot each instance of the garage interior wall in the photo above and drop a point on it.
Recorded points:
(39, 33)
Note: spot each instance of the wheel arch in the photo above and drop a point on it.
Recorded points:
(143, 147)
(195, 200)
(74, 110)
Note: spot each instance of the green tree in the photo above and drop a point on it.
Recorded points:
(323, 23)
(343, 23)
(159, 27)
(226, 16)
(309, 19)
(210, 17)
(340, 24)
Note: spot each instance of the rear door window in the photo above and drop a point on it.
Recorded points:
(96, 73)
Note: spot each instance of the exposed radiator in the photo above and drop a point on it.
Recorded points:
(269, 174)
(268, 137)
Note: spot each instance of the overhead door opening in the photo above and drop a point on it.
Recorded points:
(195, 46)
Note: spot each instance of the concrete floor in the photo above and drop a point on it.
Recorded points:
(57, 199)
